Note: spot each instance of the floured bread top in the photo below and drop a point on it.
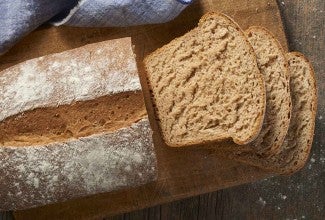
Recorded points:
(80, 92)
(35, 176)
(272, 63)
(76, 75)
(206, 85)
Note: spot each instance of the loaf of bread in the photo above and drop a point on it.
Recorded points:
(206, 85)
(73, 124)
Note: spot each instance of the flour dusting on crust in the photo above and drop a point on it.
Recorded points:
(76, 168)
(80, 74)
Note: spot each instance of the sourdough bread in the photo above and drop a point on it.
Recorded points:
(206, 85)
(297, 143)
(73, 124)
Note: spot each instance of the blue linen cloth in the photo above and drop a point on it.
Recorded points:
(19, 17)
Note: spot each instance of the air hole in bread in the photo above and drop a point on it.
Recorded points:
(45, 125)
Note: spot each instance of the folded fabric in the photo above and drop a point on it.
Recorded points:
(103, 13)
(19, 17)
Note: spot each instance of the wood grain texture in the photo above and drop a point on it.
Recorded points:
(182, 173)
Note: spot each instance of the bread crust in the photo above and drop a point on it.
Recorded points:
(39, 175)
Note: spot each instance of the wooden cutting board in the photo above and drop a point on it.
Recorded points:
(182, 172)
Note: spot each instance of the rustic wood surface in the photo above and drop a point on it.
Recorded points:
(300, 196)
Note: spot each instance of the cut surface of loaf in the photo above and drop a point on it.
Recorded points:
(273, 64)
(206, 85)
(297, 143)
(73, 124)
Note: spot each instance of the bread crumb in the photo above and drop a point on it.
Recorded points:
(312, 160)
(261, 201)
(284, 197)
(128, 168)
(36, 183)
(320, 117)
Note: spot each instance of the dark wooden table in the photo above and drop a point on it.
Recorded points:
(301, 196)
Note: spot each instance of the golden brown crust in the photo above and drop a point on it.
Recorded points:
(42, 126)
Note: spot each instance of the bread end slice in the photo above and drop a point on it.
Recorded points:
(298, 142)
(206, 86)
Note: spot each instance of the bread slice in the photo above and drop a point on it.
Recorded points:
(297, 144)
(272, 62)
(73, 124)
(206, 85)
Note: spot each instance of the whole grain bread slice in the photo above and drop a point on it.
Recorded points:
(206, 85)
(297, 143)
(272, 62)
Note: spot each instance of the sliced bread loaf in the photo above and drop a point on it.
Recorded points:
(297, 144)
(206, 85)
